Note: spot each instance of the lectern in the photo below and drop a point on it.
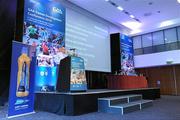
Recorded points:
(71, 77)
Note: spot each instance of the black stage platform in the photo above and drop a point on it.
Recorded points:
(84, 102)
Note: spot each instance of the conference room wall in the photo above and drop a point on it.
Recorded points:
(169, 77)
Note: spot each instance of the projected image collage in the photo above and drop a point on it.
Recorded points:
(49, 44)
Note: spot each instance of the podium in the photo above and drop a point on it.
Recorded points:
(71, 76)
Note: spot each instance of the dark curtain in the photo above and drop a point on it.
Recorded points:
(7, 30)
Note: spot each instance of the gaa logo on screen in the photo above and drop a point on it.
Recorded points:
(57, 10)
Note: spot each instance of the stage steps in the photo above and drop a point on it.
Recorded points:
(123, 104)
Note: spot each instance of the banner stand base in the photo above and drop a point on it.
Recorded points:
(20, 115)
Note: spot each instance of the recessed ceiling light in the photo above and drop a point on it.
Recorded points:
(132, 25)
(166, 23)
(135, 31)
(106, 0)
(132, 16)
(178, 1)
(120, 8)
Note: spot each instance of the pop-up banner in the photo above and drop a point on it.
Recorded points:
(127, 53)
(21, 91)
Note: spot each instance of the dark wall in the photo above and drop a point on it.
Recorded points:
(7, 28)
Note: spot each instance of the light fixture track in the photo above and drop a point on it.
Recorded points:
(124, 11)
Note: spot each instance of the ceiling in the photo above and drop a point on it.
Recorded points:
(153, 14)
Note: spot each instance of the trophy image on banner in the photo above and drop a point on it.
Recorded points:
(23, 74)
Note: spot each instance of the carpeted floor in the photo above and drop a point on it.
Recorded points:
(166, 108)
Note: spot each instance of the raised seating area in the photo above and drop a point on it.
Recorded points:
(123, 104)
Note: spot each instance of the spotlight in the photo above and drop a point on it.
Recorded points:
(132, 16)
(166, 23)
(120, 8)
(135, 31)
(132, 25)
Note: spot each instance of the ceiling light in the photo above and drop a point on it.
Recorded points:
(120, 8)
(135, 31)
(166, 23)
(106, 0)
(132, 16)
(178, 1)
(132, 25)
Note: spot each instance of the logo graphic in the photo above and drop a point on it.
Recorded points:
(57, 10)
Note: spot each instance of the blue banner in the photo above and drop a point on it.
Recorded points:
(21, 92)
(127, 54)
(45, 78)
(78, 76)
(44, 27)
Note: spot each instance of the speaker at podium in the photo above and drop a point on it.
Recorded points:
(72, 76)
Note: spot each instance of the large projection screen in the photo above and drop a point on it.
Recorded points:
(90, 37)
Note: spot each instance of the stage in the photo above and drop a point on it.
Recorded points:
(84, 102)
